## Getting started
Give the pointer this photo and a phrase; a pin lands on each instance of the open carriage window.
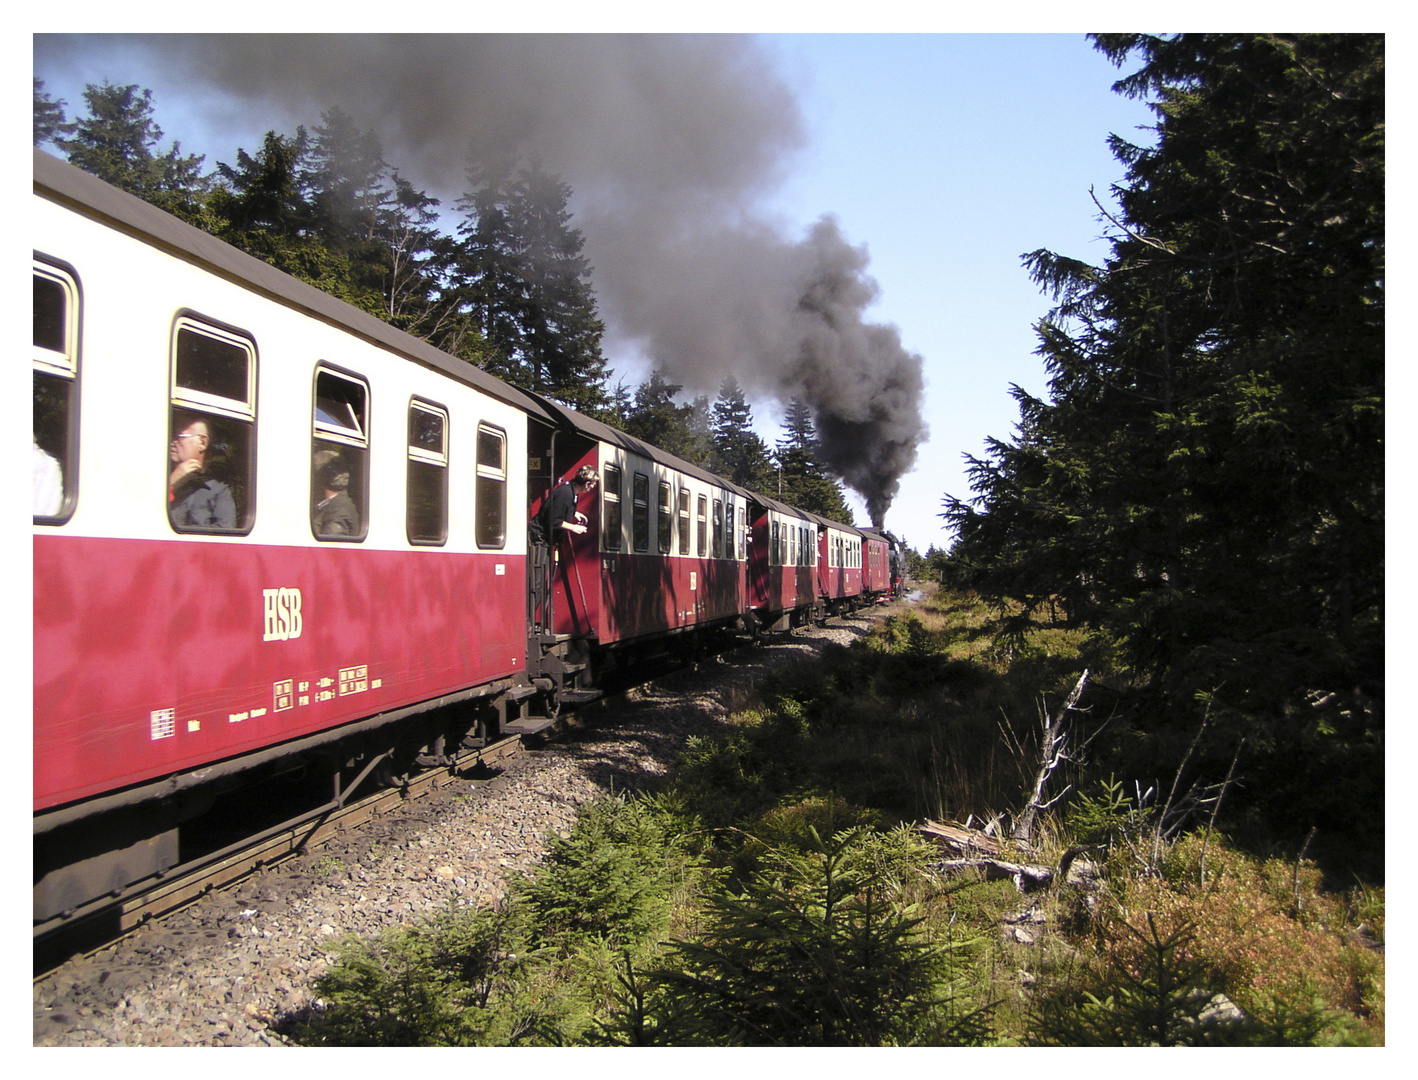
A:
(339, 458)
(426, 498)
(640, 512)
(211, 450)
(55, 361)
(665, 518)
(610, 508)
(491, 493)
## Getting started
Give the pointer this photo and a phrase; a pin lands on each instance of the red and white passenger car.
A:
(356, 589)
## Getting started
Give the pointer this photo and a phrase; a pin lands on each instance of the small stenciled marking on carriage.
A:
(164, 723)
(194, 725)
(237, 717)
(283, 618)
(283, 695)
(500, 569)
(354, 680)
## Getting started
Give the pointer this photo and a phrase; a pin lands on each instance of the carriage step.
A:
(577, 697)
(528, 725)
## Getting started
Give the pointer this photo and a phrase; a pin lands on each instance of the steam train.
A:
(273, 534)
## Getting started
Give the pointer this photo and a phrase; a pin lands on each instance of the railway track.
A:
(233, 965)
(100, 924)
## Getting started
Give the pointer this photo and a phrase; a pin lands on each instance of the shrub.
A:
(615, 875)
(818, 949)
(1260, 932)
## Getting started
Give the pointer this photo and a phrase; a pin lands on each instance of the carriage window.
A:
(211, 449)
(339, 457)
(665, 519)
(684, 521)
(56, 393)
(702, 523)
(610, 508)
(718, 528)
(640, 512)
(743, 532)
(491, 488)
(426, 512)
(773, 546)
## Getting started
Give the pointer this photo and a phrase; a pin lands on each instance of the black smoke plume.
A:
(669, 143)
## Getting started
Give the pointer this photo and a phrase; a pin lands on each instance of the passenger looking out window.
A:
(335, 514)
(195, 497)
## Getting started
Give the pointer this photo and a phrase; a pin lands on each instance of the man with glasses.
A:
(194, 497)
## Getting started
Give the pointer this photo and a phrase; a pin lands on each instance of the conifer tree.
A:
(802, 481)
(657, 418)
(560, 330)
(739, 452)
(48, 114)
(1204, 481)
(488, 268)
(118, 141)
(522, 274)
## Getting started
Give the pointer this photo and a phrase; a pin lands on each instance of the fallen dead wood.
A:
(974, 850)
(1026, 878)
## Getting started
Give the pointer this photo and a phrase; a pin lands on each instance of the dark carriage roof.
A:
(69, 186)
(602, 432)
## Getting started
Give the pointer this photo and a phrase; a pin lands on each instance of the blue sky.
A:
(950, 156)
(947, 155)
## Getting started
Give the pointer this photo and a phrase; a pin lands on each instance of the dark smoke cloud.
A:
(669, 144)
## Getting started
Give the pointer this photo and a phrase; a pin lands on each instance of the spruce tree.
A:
(560, 329)
(48, 114)
(739, 452)
(802, 480)
(1204, 481)
(658, 419)
(488, 269)
(118, 142)
(521, 272)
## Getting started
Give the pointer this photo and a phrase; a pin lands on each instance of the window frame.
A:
(354, 438)
(640, 511)
(204, 404)
(664, 519)
(419, 456)
(484, 476)
(683, 515)
(611, 507)
(63, 366)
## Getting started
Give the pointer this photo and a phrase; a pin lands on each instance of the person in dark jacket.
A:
(335, 514)
(561, 507)
(194, 496)
(560, 519)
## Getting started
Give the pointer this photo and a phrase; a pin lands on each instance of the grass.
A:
(775, 887)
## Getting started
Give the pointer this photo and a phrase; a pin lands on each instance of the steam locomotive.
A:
(274, 534)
